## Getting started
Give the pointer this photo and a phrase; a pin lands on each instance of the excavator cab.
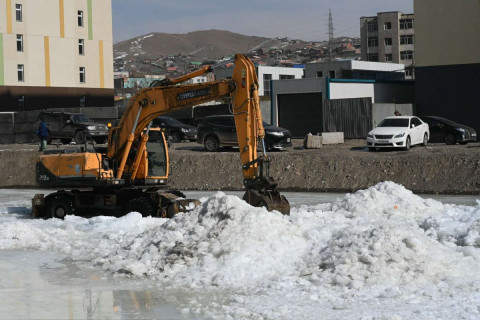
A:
(157, 154)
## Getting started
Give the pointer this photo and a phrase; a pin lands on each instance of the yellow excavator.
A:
(131, 173)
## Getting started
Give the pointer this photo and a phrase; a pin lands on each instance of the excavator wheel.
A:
(60, 206)
(271, 200)
(141, 205)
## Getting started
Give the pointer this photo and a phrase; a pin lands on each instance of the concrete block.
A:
(72, 110)
(25, 138)
(7, 128)
(312, 142)
(101, 112)
(7, 117)
(7, 138)
(25, 127)
(332, 137)
(24, 116)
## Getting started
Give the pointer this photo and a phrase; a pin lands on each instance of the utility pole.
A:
(330, 35)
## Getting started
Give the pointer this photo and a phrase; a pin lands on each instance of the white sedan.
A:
(398, 132)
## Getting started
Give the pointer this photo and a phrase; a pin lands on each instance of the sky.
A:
(299, 19)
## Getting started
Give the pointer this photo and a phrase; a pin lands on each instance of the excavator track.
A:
(271, 200)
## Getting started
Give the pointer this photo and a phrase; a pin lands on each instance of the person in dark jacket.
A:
(42, 134)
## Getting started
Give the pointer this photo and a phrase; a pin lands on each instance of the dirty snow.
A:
(380, 253)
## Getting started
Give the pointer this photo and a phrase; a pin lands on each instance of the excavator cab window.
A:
(157, 154)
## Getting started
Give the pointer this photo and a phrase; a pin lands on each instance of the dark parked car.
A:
(219, 131)
(176, 130)
(77, 126)
(448, 131)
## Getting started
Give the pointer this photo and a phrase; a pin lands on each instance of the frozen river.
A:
(380, 253)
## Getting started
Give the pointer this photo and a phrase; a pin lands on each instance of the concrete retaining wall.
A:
(297, 171)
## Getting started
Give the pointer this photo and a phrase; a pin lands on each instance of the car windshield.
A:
(80, 118)
(446, 121)
(394, 123)
(170, 121)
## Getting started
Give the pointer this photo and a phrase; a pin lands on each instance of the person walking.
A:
(42, 134)
(397, 113)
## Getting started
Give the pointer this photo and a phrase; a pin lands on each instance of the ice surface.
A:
(379, 253)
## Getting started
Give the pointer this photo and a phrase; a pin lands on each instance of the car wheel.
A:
(408, 144)
(211, 143)
(80, 137)
(450, 139)
(141, 205)
(60, 207)
(463, 142)
(425, 140)
(66, 141)
(193, 140)
(175, 136)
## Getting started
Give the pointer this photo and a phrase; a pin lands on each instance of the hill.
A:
(200, 45)
(171, 55)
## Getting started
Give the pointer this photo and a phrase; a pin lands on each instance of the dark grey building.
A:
(448, 78)
(389, 37)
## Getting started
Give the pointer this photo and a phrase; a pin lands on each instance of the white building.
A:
(55, 53)
(266, 74)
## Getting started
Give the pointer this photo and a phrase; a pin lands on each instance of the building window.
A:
(406, 39)
(80, 18)
(286, 76)
(319, 74)
(372, 26)
(387, 26)
(18, 12)
(266, 84)
(406, 24)
(331, 74)
(19, 43)
(406, 55)
(82, 74)
(21, 73)
(372, 57)
(409, 72)
(81, 47)
(388, 57)
(388, 41)
(372, 42)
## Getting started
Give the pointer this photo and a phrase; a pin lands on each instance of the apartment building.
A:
(55, 53)
(389, 37)
(447, 59)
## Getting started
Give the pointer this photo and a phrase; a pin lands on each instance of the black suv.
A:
(176, 130)
(77, 126)
(218, 131)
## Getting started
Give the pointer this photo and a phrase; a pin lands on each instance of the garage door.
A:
(300, 113)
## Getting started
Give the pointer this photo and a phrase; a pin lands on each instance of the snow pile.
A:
(383, 236)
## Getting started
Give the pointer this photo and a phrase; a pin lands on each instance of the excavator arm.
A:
(168, 95)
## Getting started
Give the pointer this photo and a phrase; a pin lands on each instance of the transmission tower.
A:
(330, 34)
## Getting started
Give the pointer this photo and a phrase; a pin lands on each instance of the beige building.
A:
(447, 59)
(55, 53)
(389, 37)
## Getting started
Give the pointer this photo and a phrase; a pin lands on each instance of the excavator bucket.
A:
(271, 200)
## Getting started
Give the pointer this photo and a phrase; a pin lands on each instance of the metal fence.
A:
(353, 117)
